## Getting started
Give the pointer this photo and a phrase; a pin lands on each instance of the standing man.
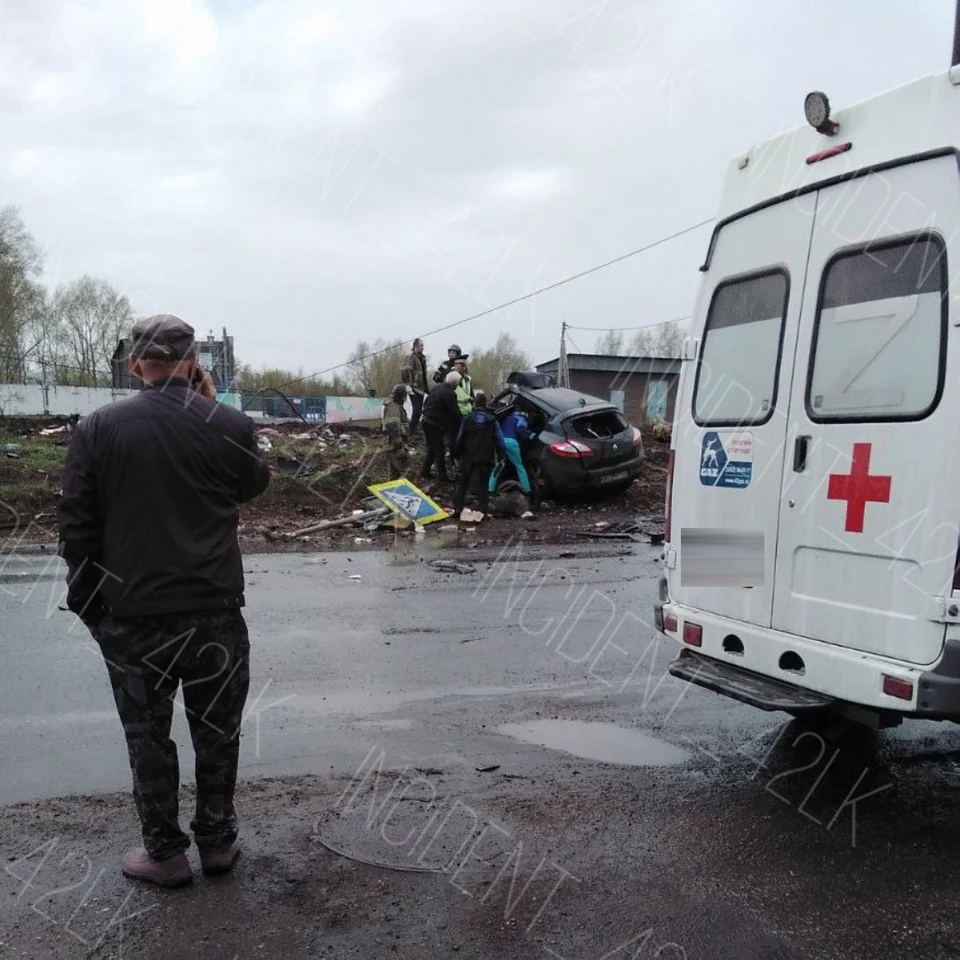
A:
(395, 428)
(441, 421)
(148, 529)
(440, 375)
(478, 442)
(465, 388)
(414, 376)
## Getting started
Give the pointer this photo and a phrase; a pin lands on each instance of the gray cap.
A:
(163, 337)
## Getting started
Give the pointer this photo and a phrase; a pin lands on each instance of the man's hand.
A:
(203, 384)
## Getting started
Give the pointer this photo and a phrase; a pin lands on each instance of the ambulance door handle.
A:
(800, 446)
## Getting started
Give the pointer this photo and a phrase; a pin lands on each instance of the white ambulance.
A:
(810, 561)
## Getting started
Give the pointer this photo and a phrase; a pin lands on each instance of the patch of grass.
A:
(40, 453)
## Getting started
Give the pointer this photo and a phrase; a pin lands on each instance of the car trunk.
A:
(606, 432)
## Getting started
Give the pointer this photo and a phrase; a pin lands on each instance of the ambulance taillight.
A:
(895, 687)
(666, 508)
(692, 634)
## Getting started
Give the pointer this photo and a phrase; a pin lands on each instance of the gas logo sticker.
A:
(726, 461)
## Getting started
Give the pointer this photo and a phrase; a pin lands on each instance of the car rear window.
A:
(597, 426)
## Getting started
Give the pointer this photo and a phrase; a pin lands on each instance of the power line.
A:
(646, 326)
(513, 302)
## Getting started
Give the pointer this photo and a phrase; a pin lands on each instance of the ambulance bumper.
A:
(832, 676)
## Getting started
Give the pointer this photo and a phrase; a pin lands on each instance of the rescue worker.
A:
(517, 436)
(396, 430)
(465, 387)
(441, 421)
(414, 376)
(148, 530)
(478, 442)
(440, 375)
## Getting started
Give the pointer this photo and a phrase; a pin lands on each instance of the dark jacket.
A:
(441, 409)
(440, 374)
(414, 372)
(148, 515)
(479, 438)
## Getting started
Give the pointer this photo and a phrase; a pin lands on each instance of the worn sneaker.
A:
(220, 861)
(173, 872)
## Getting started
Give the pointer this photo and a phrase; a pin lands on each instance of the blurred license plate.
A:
(615, 477)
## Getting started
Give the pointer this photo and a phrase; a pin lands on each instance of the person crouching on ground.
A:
(477, 444)
(148, 530)
(441, 420)
(516, 439)
(396, 430)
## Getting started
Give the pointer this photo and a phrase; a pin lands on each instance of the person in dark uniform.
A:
(414, 376)
(440, 374)
(477, 445)
(396, 431)
(148, 530)
(441, 420)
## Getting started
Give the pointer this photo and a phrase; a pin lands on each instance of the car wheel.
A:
(538, 479)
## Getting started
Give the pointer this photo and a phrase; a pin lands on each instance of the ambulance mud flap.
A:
(751, 688)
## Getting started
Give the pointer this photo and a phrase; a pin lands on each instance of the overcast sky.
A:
(307, 174)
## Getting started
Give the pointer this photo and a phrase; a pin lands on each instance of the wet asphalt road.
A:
(386, 717)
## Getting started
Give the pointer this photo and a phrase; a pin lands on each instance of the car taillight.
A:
(670, 624)
(637, 437)
(693, 634)
(571, 448)
(895, 687)
(666, 509)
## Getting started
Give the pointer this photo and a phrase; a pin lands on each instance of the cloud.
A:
(309, 175)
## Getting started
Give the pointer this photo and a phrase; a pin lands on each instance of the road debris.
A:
(451, 566)
(490, 769)
(338, 522)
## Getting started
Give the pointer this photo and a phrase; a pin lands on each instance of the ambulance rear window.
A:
(878, 348)
(739, 362)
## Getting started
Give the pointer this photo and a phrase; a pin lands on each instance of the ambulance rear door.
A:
(869, 505)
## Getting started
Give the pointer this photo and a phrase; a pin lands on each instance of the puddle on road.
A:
(603, 742)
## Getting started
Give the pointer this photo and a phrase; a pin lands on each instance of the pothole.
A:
(603, 742)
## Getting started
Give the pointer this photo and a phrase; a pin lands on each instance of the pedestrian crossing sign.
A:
(408, 500)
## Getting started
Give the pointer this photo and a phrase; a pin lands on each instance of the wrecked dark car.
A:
(583, 443)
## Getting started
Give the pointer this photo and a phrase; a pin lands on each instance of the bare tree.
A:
(662, 340)
(296, 384)
(374, 368)
(90, 318)
(21, 295)
(610, 344)
(490, 368)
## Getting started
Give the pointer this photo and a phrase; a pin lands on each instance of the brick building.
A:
(644, 388)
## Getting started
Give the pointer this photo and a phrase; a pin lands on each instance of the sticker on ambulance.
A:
(726, 461)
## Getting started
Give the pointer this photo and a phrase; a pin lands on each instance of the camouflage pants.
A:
(147, 658)
(398, 459)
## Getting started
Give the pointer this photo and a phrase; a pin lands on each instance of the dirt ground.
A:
(319, 473)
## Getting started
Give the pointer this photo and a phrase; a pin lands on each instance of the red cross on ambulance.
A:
(858, 488)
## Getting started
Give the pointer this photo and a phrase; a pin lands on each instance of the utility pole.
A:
(563, 368)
